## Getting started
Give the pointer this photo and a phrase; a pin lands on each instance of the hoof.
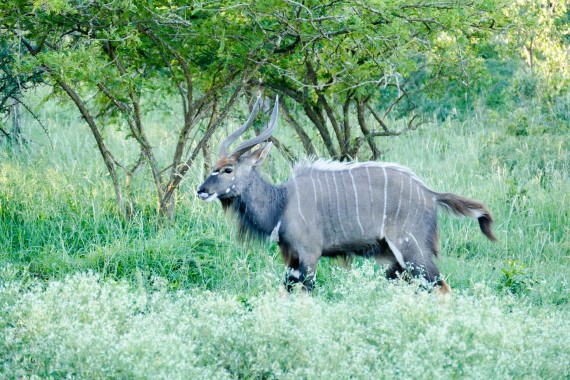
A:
(443, 291)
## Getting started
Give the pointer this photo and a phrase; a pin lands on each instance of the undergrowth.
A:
(84, 327)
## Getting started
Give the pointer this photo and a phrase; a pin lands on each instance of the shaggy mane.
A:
(305, 167)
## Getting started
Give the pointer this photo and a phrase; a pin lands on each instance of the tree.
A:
(12, 87)
(343, 65)
(125, 56)
(342, 59)
(540, 34)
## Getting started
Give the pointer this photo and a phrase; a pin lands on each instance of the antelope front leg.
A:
(301, 267)
(304, 273)
(292, 273)
(292, 277)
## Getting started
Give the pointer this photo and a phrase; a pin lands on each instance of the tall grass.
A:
(86, 294)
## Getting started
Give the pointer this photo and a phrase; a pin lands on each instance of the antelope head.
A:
(231, 172)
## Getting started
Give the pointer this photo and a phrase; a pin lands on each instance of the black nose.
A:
(200, 189)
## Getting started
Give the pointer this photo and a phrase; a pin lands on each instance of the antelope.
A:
(327, 208)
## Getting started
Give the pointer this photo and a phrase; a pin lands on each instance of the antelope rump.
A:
(327, 208)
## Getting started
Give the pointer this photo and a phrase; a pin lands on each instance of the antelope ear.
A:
(258, 155)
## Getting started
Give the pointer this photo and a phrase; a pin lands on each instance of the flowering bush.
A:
(82, 327)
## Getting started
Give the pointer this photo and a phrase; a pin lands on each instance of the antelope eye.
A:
(228, 170)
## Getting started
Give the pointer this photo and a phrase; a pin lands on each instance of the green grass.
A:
(85, 294)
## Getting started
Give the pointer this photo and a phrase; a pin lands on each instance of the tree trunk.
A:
(366, 131)
(16, 122)
(105, 153)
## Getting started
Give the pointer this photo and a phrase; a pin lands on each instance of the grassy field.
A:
(84, 294)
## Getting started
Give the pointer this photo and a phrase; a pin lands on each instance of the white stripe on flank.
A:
(329, 217)
(338, 206)
(371, 199)
(417, 205)
(415, 241)
(409, 204)
(385, 201)
(343, 191)
(319, 182)
(314, 188)
(299, 200)
(399, 198)
(329, 201)
(356, 200)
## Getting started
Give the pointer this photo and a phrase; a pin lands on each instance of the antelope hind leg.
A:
(419, 263)
(385, 258)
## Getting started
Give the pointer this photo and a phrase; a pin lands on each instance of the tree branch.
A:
(305, 139)
(105, 153)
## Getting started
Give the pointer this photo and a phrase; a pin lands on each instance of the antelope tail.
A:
(461, 206)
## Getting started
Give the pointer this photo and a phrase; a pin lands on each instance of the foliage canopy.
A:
(350, 68)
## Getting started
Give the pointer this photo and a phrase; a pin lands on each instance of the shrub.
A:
(82, 327)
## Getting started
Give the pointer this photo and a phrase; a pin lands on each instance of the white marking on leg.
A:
(295, 273)
(275, 233)
(397, 254)
(356, 200)
(298, 200)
